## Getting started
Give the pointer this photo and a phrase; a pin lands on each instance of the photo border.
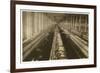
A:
(13, 35)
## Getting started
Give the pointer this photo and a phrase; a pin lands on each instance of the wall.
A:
(5, 36)
(34, 23)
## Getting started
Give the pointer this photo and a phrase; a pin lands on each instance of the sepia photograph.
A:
(54, 36)
(51, 36)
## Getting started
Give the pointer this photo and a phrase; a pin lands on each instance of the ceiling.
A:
(57, 17)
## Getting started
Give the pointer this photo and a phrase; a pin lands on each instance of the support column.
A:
(24, 25)
(39, 20)
(27, 25)
(36, 22)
